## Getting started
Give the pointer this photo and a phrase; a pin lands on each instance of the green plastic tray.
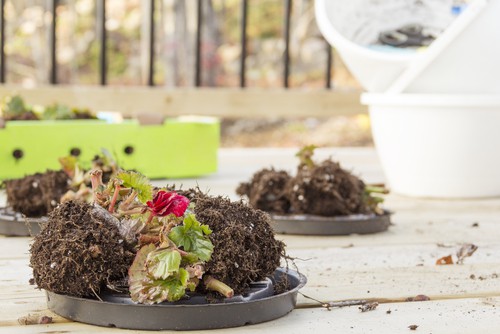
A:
(180, 147)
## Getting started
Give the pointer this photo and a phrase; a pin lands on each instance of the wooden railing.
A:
(223, 102)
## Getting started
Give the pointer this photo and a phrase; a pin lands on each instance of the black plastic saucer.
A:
(15, 224)
(339, 225)
(256, 306)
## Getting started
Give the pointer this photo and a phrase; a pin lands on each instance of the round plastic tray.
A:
(339, 225)
(256, 306)
(15, 224)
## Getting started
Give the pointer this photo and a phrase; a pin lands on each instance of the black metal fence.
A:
(102, 35)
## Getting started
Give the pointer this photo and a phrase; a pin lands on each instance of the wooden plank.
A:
(464, 316)
(14, 247)
(219, 102)
(388, 272)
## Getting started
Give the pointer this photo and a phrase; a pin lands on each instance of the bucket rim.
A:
(431, 100)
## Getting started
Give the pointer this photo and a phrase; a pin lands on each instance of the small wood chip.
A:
(368, 307)
(43, 320)
(418, 298)
(35, 319)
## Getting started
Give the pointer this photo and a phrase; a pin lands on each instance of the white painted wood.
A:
(387, 267)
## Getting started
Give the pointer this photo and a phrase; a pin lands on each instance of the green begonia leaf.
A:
(163, 263)
(192, 237)
(138, 182)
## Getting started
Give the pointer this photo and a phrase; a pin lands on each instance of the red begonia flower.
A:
(167, 202)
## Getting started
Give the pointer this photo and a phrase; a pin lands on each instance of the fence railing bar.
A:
(329, 62)
(199, 23)
(2, 41)
(53, 43)
(244, 16)
(101, 31)
(151, 67)
(286, 55)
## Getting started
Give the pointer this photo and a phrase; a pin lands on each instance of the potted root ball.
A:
(31, 198)
(321, 199)
(140, 257)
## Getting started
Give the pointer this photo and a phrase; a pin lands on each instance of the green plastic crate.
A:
(178, 148)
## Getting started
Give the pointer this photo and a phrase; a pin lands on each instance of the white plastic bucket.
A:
(351, 26)
(438, 146)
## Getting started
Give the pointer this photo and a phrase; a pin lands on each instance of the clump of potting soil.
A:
(324, 189)
(266, 190)
(79, 251)
(38, 194)
(245, 249)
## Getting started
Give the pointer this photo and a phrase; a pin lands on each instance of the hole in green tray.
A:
(128, 150)
(17, 154)
(75, 152)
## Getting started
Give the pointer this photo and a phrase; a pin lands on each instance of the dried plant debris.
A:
(35, 319)
(322, 188)
(368, 307)
(413, 327)
(466, 250)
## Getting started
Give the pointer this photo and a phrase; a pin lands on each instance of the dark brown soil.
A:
(266, 191)
(84, 114)
(38, 194)
(25, 116)
(79, 251)
(326, 190)
(323, 189)
(245, 249)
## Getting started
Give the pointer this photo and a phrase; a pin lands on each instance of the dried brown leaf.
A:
(368, 307)
(445, 260)
(465, 251)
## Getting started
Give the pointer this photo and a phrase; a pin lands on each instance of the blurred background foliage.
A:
(28, 28)
(28, 57)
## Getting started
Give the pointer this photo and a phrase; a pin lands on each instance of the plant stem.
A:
(216, 285)
(376, 189)
(130, 212)
(124, 205)
(150, 218)
(111, 208)
(96, 179)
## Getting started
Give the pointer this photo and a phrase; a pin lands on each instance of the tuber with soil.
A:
(323, 189)
(161, 245)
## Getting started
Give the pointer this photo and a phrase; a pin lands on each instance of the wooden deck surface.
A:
(388, 267)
